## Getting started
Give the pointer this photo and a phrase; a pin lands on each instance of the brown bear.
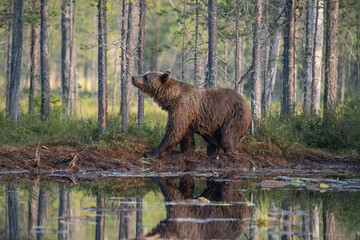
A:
(220, 115)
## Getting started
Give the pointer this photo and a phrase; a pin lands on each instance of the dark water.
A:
(181, 207)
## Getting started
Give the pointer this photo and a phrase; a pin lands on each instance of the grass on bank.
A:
(337, 133)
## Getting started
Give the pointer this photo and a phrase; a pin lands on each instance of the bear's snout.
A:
(134, 80)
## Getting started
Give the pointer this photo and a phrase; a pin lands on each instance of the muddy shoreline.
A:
(71, 158)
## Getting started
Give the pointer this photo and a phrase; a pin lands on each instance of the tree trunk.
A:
(65, 53)
(183, 43)
(314, 223)
(196, 54)
(272, 69)
(331, 55)
(42, 208)
(102, 73)
(35, 60)
(309, 49)
(226, 58)
(115, 79)
(288, 55)
(131, 50)
(213, 54)
(73, 78)
(16, 54)
(343, 76)
(237, 46)
(139, 216)
(13, 209)
(126, 224)
(32, 212)
(317, 58)
(265, 54)
(329, 230)
(44, 53)
(8, 59)
(100, 217)
(64, 214)
(124, 27)
(141, 65)
(256, 63)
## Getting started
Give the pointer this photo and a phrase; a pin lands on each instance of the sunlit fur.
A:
(221, 116)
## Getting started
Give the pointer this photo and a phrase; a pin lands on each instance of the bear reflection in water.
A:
(198, 220)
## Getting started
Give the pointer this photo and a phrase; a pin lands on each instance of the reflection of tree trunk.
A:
(64, 214)
(274, 234)
(100, 217)
(126, 222)
(254, 215)
(305, 226)
(35, 60)
(329, 225)
(41, 217)
(32, 212)
(314, 223)
(13, 212)
(286, 224)
(139, 226)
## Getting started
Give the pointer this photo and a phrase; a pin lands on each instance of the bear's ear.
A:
(165, 76)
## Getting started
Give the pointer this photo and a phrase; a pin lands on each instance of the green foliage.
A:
(334, 132)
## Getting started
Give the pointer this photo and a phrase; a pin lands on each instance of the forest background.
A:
(67, 67)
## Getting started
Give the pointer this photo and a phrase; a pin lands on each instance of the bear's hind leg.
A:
(187, 143)
(212, 149)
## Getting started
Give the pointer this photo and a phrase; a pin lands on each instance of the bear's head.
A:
(151, 82)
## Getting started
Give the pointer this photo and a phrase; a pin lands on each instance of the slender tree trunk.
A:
(357, 53)
(44, 53)
(100, 217)
(124, 27)
(343, 76)
(8, 59)
(213, 54)
(32, 212)
(226, 58)
(314, 223)
(65, 53)
(102, 73)
(272, 69)
(288, 55)
(183, 43)
(13, 210)
(131, 50)
(309, 49)
(331, 55)
(296, 29)
(42, 208)
(265, 54)
(317, 58)
(64, 214)
(254, 233)
(157, 56)
(196, 54)
(115, 80)
(16, 54)
(35, 60)
(329, 229)
(139, 216)
(237, 46)
(141, 52)
(256, 63)
(73, 79)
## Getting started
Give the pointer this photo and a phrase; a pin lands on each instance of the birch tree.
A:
(317, 58)
(213, 54)
(102, 72)
(331, 55)
(124, 27)
(256, 63)
(141, 65)
(288, 60)
(16, 54)
(44, 53)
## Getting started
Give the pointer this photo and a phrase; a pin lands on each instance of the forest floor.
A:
(72, 158)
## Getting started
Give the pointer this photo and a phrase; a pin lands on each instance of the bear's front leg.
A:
(176, 129)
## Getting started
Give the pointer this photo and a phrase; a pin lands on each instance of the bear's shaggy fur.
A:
(220, 115)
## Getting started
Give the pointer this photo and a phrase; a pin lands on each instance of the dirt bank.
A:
(72, 158)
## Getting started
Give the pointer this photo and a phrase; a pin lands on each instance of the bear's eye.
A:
(145, 78)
